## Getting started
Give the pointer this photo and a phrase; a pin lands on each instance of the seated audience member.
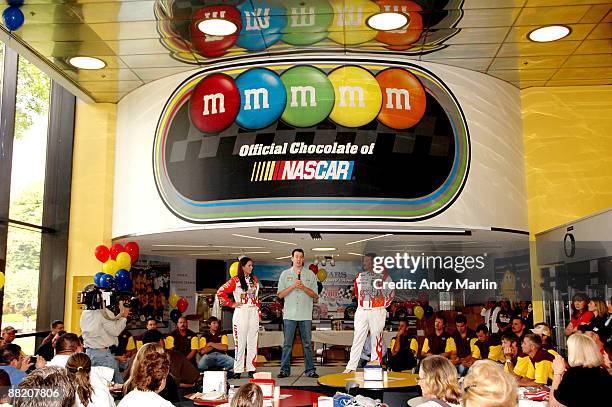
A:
(504, 316)
(147, 380)
(403, 352)
(585, 383)
(514, 357)
(14, 363)
(170, 391)
(600, 311)
(213, 348)
(184, 373)
(49, 378)
(248, 395)
(440, 342)
(5, 384)
(525, 311)
(599, 334)
(439, 382)
(125, 348)
(518, 327)
(488, 385)
(46, 348)
(487, 346)
(464, 339)
(580, 313)
(8, 334)
(183, 340)
(65, 346)
(544, 332)
(90, 390)
(135, 341)
(539, 369)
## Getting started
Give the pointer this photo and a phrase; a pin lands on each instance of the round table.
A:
(394, 380)
(297, 398)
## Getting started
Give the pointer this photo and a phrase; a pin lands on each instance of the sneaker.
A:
(251, 374)
(282, 375)
(348, 371)
(313, 375)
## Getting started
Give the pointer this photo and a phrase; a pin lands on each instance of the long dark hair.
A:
(79, 366)
(241, 263)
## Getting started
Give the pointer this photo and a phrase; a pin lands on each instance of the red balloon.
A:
(211, 46)
(102, 253)
(314, 268)
(214, 103)
(115, 250)
(182, 304)
(133, 250)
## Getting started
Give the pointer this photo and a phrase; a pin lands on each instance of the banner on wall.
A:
(311, 141)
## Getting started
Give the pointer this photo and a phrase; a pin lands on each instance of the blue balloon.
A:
(107, 281)
(13, 18)
(262, 24)
(122, 275)
(97, 278)
(175, 314)
(262, 98)
(125, 285)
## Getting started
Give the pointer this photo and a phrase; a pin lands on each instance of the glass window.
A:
(29, 144)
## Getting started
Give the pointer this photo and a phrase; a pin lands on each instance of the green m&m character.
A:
(310, 96)
(307, 21)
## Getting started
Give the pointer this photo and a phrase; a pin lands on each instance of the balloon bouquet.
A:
(116, 264)
(179, 304)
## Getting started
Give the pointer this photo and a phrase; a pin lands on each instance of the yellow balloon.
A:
(419, 312)
(350, 21)
(173, 299)
(322, 275)
(234, 269)
(358, 97)
(110, 267)
(1, 279)
(124, 261)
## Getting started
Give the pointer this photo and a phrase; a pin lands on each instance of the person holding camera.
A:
(101, 329)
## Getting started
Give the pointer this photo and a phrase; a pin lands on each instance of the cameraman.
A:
(101, 329)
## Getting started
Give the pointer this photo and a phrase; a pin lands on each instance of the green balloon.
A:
(307, 21)
(310, 96)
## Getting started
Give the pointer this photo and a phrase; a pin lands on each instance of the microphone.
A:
(299, 275)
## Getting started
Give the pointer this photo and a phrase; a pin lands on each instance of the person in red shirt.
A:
(580, 314)
(245, 291)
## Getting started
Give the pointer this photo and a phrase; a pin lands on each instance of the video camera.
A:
(93, 297)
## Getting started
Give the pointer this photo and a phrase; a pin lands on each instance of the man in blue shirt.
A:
(14, 364)
(299, 290)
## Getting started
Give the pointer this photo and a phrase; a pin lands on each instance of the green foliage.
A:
(33, 91)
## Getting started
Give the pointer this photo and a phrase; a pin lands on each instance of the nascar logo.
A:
(330, 170)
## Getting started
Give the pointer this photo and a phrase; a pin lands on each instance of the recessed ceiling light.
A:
(87, 63)
(217, 27)
(549, 33)
(387, 21)
(282, 258)
(324, 249)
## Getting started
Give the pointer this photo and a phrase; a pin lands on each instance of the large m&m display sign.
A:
(304, 96)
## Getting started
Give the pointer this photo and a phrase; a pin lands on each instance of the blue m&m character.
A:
(263, 24)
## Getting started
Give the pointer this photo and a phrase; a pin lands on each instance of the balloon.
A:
(234, 269)
(13, 18)
(182, 304)
(1, 279)
(125, 285)
(122, 275)
(313, 268)
(418, 312)
(319, 287)
(133, 250)
(115, 250)
(428, 311)
(124, 261)
(102, 253)
(98, 277)
(173, 299)
(175, 315)
(322, 275)
(107, 281)
(110, 267)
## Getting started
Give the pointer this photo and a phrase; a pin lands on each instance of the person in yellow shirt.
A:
(535, 365)
(213, 348)
(487, 346)
(440, 342)
(183, 340)
(402, 355)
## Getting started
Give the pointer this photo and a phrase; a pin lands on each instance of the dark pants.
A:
(404, 360)
(289, 327)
